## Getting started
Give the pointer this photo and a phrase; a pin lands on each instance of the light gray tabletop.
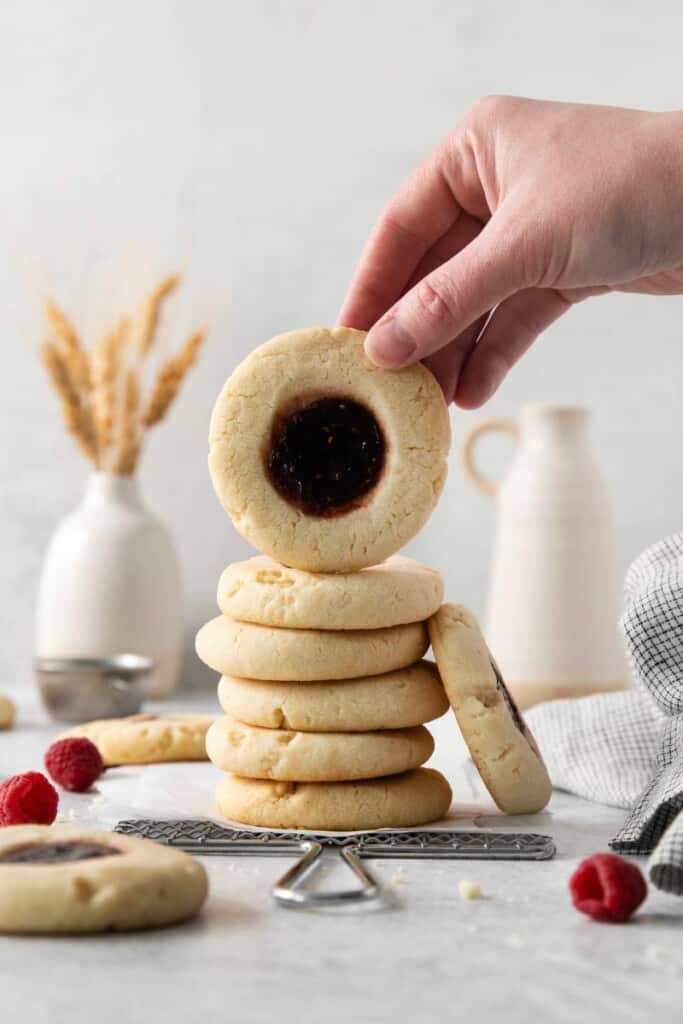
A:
(520, 954)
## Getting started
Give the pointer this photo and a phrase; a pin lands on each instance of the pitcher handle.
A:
(476, 478)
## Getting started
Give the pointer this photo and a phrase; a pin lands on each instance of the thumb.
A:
(447, 301)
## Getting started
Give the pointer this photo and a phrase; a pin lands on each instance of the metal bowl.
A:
(79, 689)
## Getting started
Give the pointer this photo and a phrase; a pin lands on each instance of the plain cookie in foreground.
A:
(393, 700)
(502, 747)
(147, 739)
(400, 801)
(392, 593)
(303, 655)
(6, 712)
(322, 459)
(67, 879)
(288, 756)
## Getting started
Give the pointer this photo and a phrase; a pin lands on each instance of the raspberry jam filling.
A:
(326, 456)
(56, 853)
(507, 697)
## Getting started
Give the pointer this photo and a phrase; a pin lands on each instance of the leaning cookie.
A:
(67, 879)
(501, 745)
(393, 700)
(288, 756)
(148, 739)
(323, 460)
(400, 801)
(6, 712)
(392, 593)
(300, 655)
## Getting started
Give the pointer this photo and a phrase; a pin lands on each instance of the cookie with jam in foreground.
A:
(323, 460)
(66, 879)
(147, 739)
(502, 747)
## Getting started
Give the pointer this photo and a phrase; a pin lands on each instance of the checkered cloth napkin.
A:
(626, 749)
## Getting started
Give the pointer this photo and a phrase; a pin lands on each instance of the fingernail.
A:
(389, 344)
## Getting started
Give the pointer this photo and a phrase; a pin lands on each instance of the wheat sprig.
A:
(169, 379)
(128, 445)
(151, 310)
(106, 367)
(71, 346)
(77, 416)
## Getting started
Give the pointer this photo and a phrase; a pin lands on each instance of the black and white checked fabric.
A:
(626, 749)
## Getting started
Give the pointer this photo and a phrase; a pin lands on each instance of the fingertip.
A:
(390, 346)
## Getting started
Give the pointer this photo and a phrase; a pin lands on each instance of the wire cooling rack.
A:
(206, 838)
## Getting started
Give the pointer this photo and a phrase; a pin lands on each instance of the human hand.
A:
(526, 208)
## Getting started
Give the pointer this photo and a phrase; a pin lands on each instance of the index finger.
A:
(419, 214)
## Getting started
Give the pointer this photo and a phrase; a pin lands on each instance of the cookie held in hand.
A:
(323, 460)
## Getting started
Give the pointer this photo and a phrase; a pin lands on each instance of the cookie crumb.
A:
(469, 890)
(398, 878)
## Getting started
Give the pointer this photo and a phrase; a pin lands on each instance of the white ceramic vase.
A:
(111, 583)
(554, 592)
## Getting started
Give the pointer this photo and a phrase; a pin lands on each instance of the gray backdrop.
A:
(251, 144)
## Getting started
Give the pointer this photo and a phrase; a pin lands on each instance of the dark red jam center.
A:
(326, 456)
(56, 853)
(507, 697)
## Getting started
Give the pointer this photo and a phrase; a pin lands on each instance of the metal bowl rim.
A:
(137, 664)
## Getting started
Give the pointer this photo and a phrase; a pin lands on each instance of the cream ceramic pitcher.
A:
(554, 594)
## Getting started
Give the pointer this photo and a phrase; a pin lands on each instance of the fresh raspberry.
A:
(607, 887)
(74, 763)
(27, 799)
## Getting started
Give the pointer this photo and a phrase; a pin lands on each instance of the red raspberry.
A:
(74, 763)
(27, 799)
(607, 887)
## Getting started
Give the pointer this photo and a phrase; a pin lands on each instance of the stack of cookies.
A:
(325, 696)
(329, 464)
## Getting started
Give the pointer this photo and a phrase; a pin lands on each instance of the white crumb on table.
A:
(469, 890)
(398, 878)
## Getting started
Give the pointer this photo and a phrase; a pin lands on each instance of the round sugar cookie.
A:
(390, 594)
(68, 879)
(288, 756)
(393, 700)
(502, 747)
(301, 655)
(323, 460)
(6, 712)
(147, 739)
(400, 801)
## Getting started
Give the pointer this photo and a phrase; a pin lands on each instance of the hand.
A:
(523, 210)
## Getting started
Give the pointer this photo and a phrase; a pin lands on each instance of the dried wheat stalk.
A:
(77, 416)
(151, 310)
(169, 379)
(128, 446)
(71, 346)
(107, 417)
(106, 367)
